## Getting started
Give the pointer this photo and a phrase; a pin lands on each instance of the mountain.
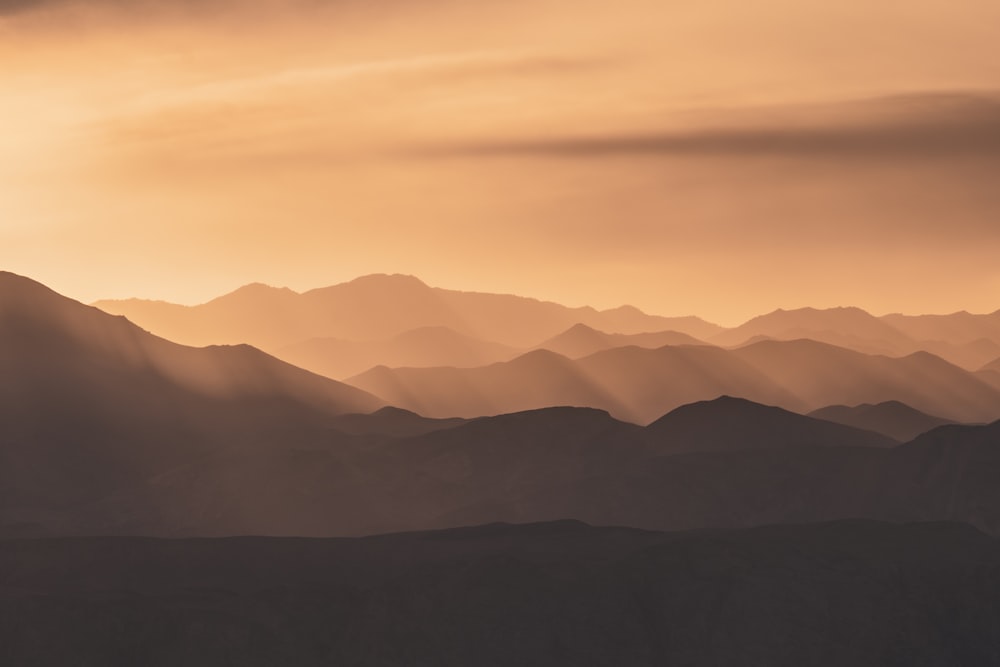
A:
(970, 355)
(89, 401)
(733, 423)
(526, 466)
(391, 421)
(556, 594)
(844, 327)
(640, 385)
(993, 366)
(946, 474)
(891, 418)
(378, 307)
(534, 380)
(892, 335)
(631, 383)
(427, 346)
(581, 341)
(821, 375)
(956, 328)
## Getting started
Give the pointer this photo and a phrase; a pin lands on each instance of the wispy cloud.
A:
(918, 126)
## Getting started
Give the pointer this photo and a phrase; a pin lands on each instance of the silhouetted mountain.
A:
(746, 465)
(891, 418)
(535, 380)
(428, 346)
(640, 385)
(581, 341)
(378, 307)
(992, 366)
(558, 594)
(844, 327)
(970, 356)
(733, 423)
(393, 422)
(855, 329)
(821, 375)
(89, 401)
(957, 328)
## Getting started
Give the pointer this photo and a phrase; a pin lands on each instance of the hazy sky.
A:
(715, 157)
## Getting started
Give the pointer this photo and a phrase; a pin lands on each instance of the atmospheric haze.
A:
(716, 158)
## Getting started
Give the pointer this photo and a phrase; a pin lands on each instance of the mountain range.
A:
(336, 330)
(108, 429)
(640, 385)
(891, 418)
(378, 307)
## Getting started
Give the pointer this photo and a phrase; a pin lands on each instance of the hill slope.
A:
(89, 401)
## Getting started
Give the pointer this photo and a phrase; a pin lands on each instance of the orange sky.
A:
(720, 158)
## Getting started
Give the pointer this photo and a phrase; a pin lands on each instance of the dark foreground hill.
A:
(891, 418)
(748, 465)
(862, 594)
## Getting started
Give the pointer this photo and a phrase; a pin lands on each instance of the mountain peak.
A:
(388, 280)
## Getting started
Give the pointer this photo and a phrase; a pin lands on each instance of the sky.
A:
(718, 158)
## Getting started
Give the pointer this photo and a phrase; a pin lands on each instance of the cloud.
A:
(924, 126)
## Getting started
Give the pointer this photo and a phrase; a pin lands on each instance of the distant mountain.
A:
(378, 307)
(956, 328)
(844, 327)
(559, 594)
(581, 341)
(891, 418)
(89, 401)
(970, 356)
(728, 423)
(993, 366)
(427, 346)
(821, 375)
(534, 380)
(631, 383)
(640, 385)
(892, 335)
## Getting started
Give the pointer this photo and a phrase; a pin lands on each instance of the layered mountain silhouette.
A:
(89, 401)
(732, 423)
(745, 465)
(555, 594)
(581, 341)
(392, 422)
(427, 346)
(379, 307)
(962, 339)
(892, 418)
(844, 327)
(640, 385)
(337, 330)
(958, 328)
(107, 429)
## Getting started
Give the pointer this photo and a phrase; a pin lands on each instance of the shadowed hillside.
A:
(640, 385)
(892, 418)
(89, 401)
